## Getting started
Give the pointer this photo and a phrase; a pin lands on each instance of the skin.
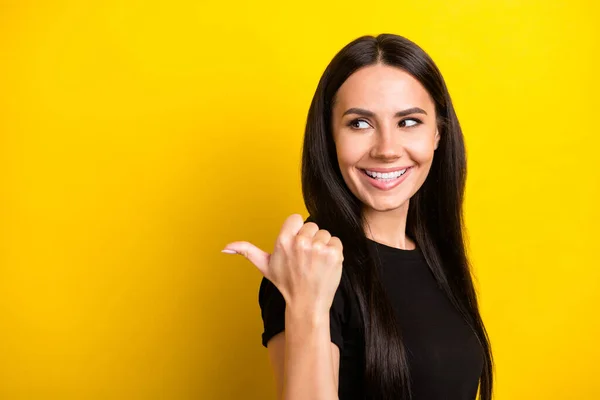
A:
(306, 267)
(306, 263)
(384, 140)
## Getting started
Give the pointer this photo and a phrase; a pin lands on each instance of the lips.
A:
(387, 184)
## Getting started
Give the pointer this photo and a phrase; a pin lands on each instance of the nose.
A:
(387, 144)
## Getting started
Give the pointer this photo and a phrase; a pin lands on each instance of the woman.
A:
(383, 177)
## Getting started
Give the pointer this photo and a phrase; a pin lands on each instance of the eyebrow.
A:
(367, 113)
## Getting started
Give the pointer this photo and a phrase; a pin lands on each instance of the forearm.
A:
(308, 366)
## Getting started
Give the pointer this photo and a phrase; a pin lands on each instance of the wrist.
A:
(311, 315)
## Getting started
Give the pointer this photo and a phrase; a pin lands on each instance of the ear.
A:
(437, 139)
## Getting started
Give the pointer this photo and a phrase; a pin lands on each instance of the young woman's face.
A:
(384, 121)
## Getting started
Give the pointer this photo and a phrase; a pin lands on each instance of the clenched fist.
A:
(306, 264)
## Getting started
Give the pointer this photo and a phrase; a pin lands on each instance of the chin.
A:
(386, 205)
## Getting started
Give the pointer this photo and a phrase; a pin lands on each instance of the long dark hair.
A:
(435, 218)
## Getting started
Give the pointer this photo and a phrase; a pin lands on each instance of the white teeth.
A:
(387, 175)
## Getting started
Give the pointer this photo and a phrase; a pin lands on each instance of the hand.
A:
(306, 264)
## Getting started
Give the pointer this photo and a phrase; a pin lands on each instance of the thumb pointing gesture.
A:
(306, 264)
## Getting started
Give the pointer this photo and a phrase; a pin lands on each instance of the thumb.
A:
(255, 255)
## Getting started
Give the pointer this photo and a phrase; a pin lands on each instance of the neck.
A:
(388, 227)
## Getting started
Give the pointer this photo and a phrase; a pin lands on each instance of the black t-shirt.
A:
(444, 355)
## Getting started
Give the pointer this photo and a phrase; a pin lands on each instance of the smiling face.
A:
(384, 120)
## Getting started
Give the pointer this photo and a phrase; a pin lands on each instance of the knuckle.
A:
(319, 247)
(302, 243)
(332, 254)
(282, 241)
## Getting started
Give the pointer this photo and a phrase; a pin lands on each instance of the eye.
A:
(358, 124)
(409, 122)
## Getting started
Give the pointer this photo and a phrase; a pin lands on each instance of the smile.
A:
(388, 180)
(386, 175)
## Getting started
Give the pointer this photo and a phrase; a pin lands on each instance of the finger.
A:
(309, 230)
(288, 231)
(291, 226)
(255, 255)
(322, 236)
(336, 243)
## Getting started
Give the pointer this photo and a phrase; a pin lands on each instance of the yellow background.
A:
(139, 137)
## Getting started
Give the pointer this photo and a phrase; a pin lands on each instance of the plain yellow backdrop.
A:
(137, 138)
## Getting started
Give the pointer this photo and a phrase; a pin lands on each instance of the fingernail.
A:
(229, 251)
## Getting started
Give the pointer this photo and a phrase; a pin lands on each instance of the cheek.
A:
(349, 152)
(421, 151)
